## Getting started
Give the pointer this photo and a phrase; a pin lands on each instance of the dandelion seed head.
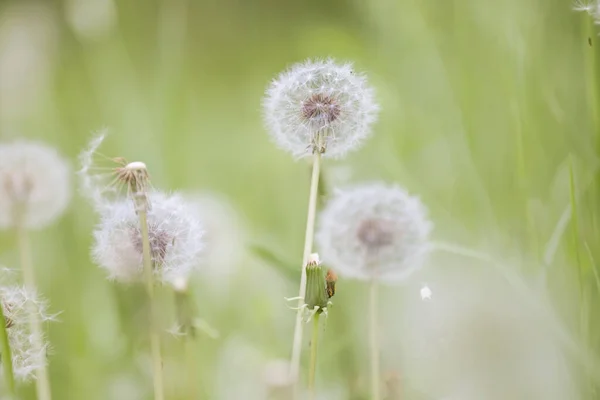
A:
(34, 180)
(319, 106)
(27, 356)
(175, 236)
(374, 230)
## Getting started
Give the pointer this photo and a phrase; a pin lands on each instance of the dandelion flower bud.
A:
(176, 239)
(27, 356)
(319, 106)
(34, 181)
(374, 231)
(316, 297)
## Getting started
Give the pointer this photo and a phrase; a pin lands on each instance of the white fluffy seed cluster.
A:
(374, 231)
(319, 106)
(176, 239)
(27, 357)
(35, 179)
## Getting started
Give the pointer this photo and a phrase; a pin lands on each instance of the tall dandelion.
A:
(148, 236)
(317, 109)
(377, 233)
(34, 191)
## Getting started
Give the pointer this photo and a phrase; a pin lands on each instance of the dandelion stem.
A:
(374, 339)
(149, 280)
(7, 367)
(43, 381)
(308, 242)
(314, 345)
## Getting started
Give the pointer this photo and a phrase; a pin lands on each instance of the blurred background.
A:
(490, 113)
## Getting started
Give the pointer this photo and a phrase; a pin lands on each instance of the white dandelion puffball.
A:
(176, 239)
(319, 106)
(35, 179)
(28, 356)
(374, 231)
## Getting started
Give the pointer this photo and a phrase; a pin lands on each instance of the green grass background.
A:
(490, 112)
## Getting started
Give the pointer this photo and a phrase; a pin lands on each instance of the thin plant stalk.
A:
(186, 325)
(374, 340)
(7, 367)
(314, 343)
(149, 281)
(308, 243)
(192, 368)
(42, 383)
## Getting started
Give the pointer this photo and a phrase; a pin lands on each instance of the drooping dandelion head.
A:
(374, 231)
(35, 184)
(28, 356)
(175, 236)
(103, 183)
(319, 106)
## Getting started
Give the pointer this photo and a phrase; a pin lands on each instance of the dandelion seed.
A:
(176, 239)
(319, 106)
(374, 231)
(426, 293)
(34, 184)
(27, 356)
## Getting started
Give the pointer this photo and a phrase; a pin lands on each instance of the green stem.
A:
(149, 280)
(192, 368)
(7, 367)
(308, 242)
(314, 347)
(185, 322)
(374, 341)
(43, 381)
